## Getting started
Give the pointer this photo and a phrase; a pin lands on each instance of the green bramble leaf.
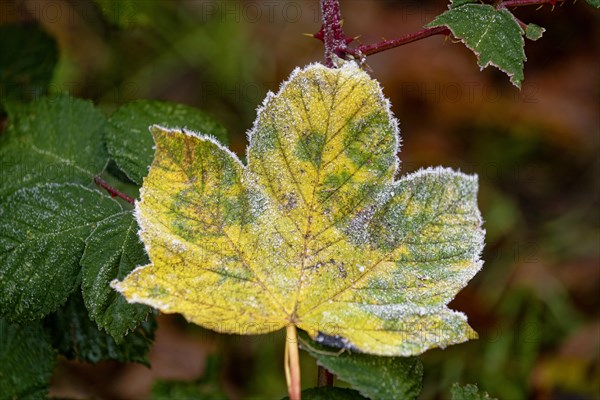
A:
(493, 35)
(374, 377)
(54, 139)
(77, 337)
(468, 392)
(27, 62)
(26, 361)
(315, 231)
(128, 138)
(42, 234)
(112, 251)
(534, 32)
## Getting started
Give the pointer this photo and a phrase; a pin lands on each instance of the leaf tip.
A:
(117, 285)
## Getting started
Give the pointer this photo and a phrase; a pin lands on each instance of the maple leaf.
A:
(315, 232)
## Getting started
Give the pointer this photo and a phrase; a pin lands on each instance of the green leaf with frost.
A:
(42, 238)
(374, 377)
(26, 361)
(77, 337)
(128, 137)
(493, 35)
(468, 392)
(112, 251)
(27, 61)
(315, 231)
(534, 32)
(54, 139)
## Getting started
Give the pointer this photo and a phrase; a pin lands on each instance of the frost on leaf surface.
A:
(494, 35)
(53, 139)
(314, 231)
(42, 237)
(112, 251)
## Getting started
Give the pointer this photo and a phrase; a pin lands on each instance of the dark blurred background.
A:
(535, 303)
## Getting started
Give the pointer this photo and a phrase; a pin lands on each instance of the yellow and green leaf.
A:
(315, 231)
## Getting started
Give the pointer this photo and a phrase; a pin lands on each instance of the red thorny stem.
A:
(520, 3)
(367, 50)
(337, 43)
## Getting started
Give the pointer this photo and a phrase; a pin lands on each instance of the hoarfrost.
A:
(330, 239)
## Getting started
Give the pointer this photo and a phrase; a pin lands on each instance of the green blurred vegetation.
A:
(535, 302)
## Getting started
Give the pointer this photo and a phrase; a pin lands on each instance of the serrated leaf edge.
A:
(478, 54)
(91, 315)
(78, 286)
(115, 283)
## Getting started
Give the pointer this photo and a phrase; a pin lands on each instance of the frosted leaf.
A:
(112, 251)
(494, 35)
(42, 238)
(54, 139)
(375, 377)
(314, 231)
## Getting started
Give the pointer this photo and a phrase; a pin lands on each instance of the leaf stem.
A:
(520, 3)
(367, 50)
(292, 363)
(112, 191)
(336, 42)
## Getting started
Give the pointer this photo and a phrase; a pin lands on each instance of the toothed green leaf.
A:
(374, 377)
(493, 35)
(54, 139)
(112, 251)
(42, 238)
(77, 337)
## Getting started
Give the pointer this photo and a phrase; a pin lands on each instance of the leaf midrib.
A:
(64, 231)
(65, 161)
(312, 200)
